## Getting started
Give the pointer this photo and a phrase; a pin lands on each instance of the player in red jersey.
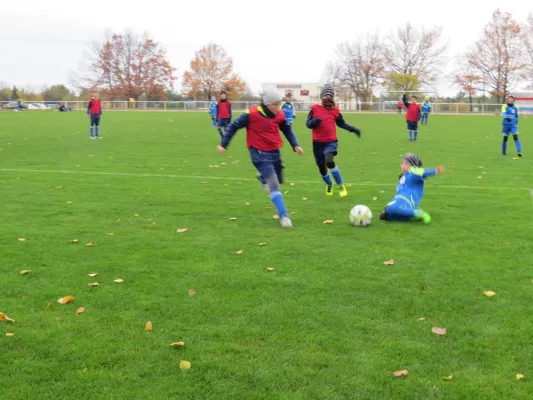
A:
(413, 115)
(94, 112)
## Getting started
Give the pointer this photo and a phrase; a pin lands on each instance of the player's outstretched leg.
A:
(504, 145)
(399, 210)
(334, 169)
(324, 173)
(518, 145)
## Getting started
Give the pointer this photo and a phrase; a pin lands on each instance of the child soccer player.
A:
(288, 109)
(223, 113)
(510, 125)
(94, 112)
(426, 110)
(413, 115)
(322, 120)
(213, 109)
(400, 106)
(19, 104)
(263, 124)
(409, 191)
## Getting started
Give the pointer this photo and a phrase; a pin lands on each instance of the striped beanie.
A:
(327, 90)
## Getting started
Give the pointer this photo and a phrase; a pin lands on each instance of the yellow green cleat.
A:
(342, 191)
(329, 190)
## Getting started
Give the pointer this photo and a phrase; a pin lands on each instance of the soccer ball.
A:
(360, 216)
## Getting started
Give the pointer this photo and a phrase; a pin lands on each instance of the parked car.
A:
(13, 105)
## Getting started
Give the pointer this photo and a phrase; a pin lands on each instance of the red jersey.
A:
(413, 112)
(400, 104)
(327, 130)
(262, 132)
(94, 106)
(224, 109)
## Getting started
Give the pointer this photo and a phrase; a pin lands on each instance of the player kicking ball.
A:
(510, 125)
(263, 140)
(409, 191)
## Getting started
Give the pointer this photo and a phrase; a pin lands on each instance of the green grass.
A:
(331, 322)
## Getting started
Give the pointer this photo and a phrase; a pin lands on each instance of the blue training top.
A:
(288, 110)
(426, 107)
(510, 115)
(213, 108)
(411, 185)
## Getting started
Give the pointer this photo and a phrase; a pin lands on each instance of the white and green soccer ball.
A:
(360, 216)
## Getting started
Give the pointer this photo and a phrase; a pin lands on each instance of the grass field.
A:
(331, 322)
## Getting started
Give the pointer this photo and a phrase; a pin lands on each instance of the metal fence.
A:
(203, 106)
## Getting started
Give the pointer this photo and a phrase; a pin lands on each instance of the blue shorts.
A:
(267, 163)
(509, 130)
(412, 126)
(95, 119)
(321, 149)
(223, 122)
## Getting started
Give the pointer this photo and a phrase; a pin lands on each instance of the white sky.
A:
(270, 41)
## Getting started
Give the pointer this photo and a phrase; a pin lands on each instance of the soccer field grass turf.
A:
(331, 322)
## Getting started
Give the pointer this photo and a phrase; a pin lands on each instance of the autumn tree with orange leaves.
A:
(469, 80)
(211, 71)
(127, 65)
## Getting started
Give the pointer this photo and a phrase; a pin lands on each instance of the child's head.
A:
(213, 98)
(223, 95)
(413, 99)
(271, 100)
(410, 160)
(288, 97)
(510, 100)
(95, 94)
(326, 95)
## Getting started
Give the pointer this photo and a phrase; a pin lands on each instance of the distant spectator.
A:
(19, 104)
(63, 108)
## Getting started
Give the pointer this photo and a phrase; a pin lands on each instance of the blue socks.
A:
(410, 135)
(327, 179)
(336, 175)
(91, 131)
(504, 147)
(97, 129)
(277, 199)
(518, 146)
(416, 134)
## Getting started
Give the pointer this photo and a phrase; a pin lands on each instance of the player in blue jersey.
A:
(510, 125)
(409, 191)
(426, 110)
(213, 111)
(288, 109)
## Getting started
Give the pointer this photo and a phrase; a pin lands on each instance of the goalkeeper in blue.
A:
(409, 191)
(213, 111)
(510, 125)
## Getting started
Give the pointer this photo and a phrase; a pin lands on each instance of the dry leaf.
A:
(268, 207)
(177, 344)
(118, 220)
(421, 318)
(25, 271)
(192, 292)
(361, 171)
(111, 234)
(374, 198)
(271, 269)
(75, 241)
(80, 310)
(304, 198)
(69, 202)
(448, 378)
(292, 184)
(439, 331)
(182, 230)
(148, 327)
(328, 222)
(22, 240)
(489, 293)
(390, 262)
(9, 334)
(275, 216)
(516, 158)
(246, 204)
(479, 177)
(403, 372)
(89, 244)
(93, 284)
(239, 252)
(203, 183)
(119, 281)
(66, 300)
(519, 377)
(233, 219)
(262, 244)
(92, 275)
(49, 305)
(293, 212)
(226, 184)
(135, 215)
(185, 364)
(4, 317)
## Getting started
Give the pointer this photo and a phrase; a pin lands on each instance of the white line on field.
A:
(222, 178)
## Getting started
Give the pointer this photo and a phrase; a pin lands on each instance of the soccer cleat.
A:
(285, 222)
(342, 191)
(519, 155)
(423, 216)
(329, 190)
(92, 137)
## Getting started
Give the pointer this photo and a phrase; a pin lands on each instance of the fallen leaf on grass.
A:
(75, 241)
(246, 204)
(111, 233)
(519, 377)
(89, 244)
(59, 187)
(182, 230)
(390, 262)
(271, 269)
(239, 252)
(439, 331)
(4, 317)
(304, 198)
(135, 215)
(203, 182)
(148, 327)
(92, 275)
(118, 220)
(489, 293)
(233, 219)
(448, 378)
(275, 216)
(25, 271)
(403, 372)
(69, 202)
(177, 344)
(361, 171)
(22, 240)
(192, 292)
(119, 281)
(328, 222)
(9, 334)
(516, 158)
(374, 198)
(421, 318)
(185, 364)
(93, 284)
(80, 310)
(479, 177)
(293, 212)
(262, 244)
(292, 184)
(66, 300)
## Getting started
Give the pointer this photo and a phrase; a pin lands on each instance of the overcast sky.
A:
(270, 41)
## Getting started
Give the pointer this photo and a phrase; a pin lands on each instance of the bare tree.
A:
(527, 39)
(468, 80)
(416, 52)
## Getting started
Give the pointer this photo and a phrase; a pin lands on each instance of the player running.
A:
(510, 125)
(413, 115)
(263, 124)
(409, 191)
(223, 113)
(94, 112)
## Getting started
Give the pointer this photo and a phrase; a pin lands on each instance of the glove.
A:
(316, 122)
(357, 132)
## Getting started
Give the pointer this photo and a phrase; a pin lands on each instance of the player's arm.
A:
(419, 113)
(290, 136)
(430, 108)
(230, 112)
(405, 101)
(341, 123)
(516, 115)
(89, 107)
(312, 123)
(231, 130)
(433, 171)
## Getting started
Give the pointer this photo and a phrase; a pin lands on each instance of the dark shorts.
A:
(223, 122)
(321, 149)
(267, 163)
(95, 119)
(412, 126)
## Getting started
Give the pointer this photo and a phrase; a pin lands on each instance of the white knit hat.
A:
(270, 96)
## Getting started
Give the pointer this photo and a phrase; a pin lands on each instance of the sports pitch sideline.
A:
(331, 321)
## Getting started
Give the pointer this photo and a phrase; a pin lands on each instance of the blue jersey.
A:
(426, 107)
(510, 115)
(288, 110)
(213, 109)
(411, 185)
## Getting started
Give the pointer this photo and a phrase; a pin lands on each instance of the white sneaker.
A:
(92, 137)
(285, 222)
(98, 137)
